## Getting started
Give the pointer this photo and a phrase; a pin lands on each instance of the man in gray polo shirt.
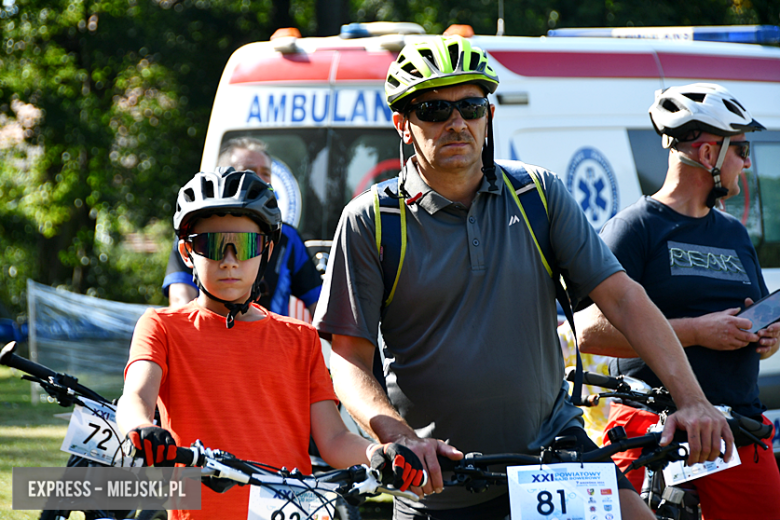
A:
(475, 363)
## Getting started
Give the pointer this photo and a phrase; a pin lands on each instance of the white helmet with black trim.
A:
(229, 192)
(680, 112)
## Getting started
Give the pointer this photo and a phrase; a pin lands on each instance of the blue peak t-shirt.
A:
(691, 267)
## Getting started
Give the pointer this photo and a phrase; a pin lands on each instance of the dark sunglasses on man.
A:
(438, 110)
(743, 149)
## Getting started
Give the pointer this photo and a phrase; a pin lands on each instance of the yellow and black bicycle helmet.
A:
(440, 61)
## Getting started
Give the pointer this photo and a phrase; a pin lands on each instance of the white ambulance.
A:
(576, 105)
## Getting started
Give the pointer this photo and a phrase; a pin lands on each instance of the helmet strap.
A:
(488, 166)
(402, 175)
(718, 191)
(232, 307)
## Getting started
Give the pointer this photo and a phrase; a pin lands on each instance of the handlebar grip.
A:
(747, 430)
(185, 456)
(592, 378)
(8, 358)
(447, 464)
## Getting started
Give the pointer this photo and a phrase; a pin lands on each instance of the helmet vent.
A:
(254, 192)
(409, 68)
(695, 96)
(428, 55)
(392, 81)
(188, 195)
(732, 105)
(271, 203)
(206, 188)
(232, 187)
(670, 106)
(454, 55)
(474, 63)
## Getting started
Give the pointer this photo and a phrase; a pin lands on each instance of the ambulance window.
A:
(304, 153)
(747, 206)
(365, 157)
(767, 157)
(650, 159)
(766, 154)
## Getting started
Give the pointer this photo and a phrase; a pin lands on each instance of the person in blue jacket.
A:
(290, 268)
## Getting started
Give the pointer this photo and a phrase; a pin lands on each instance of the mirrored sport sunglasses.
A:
(743, 146)
(438, 110)
(214, 245)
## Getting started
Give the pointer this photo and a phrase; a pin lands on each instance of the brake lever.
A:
(660, 457)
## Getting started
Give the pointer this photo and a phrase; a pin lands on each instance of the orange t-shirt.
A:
(246, 390)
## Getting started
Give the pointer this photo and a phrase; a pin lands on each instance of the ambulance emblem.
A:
(591, 180)
(288, 193)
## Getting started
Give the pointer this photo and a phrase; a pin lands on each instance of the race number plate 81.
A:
(564, 492)
(92, 433)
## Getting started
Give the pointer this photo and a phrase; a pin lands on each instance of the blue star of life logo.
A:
(590, 179)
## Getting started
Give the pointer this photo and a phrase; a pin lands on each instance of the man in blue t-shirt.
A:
(699, 267)
(290, 269)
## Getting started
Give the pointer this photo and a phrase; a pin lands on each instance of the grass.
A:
(30, 436)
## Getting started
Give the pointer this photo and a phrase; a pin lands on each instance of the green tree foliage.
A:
(536, 17)
(104, 106)
(103, 112)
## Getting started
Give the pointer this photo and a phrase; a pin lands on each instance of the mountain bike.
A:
(337, 492)
(586, 494)
(97, 445)
(280, 494)
(667, 501)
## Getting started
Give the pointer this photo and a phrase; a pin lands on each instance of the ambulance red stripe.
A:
(354, 65)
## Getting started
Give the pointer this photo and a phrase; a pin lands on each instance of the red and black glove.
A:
(399, 465)
(155, 445)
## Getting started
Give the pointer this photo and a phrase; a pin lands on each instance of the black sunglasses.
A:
(743, 149)
(438, 110)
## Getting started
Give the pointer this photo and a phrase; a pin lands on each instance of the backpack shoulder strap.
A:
(390, 233)
(528, 194)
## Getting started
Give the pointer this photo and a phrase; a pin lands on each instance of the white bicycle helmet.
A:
(700, 107)
(229, 192)
(681, 114)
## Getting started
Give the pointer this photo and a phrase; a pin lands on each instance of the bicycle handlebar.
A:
(472, 471)
(357, 480)
(745, 429)
(62, 387)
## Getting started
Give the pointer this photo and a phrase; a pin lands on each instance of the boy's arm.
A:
(135, 414)
(341, 448)
(338, 446)
(139, 398)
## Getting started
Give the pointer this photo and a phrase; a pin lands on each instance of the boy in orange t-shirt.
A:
(258, 388)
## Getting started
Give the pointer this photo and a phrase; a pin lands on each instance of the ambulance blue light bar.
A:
(760, 34)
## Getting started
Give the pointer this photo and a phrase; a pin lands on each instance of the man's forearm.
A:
(596, 335)
(653, 339)
(363, 396)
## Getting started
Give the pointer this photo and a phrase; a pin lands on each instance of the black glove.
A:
(399, 465)
(155, 445)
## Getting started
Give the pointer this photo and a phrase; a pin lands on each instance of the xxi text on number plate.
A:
(569, 491)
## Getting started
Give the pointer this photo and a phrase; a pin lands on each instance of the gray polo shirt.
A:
(471, 330)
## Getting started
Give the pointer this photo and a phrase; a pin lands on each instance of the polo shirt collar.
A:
(431, 201)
